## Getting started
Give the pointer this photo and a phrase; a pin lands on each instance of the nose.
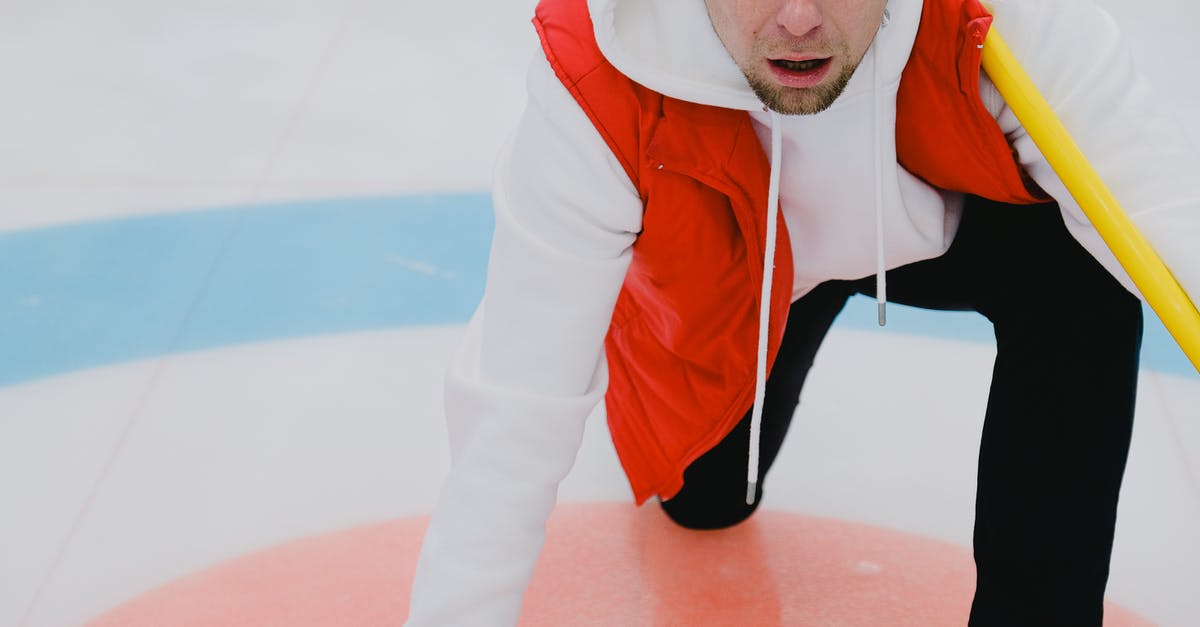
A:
(799, 17)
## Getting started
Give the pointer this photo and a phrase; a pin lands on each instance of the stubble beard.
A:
(800, 101)
(789, 100)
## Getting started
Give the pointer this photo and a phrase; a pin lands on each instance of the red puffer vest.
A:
(681, 347)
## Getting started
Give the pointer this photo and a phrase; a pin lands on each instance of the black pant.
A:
(1059, 415)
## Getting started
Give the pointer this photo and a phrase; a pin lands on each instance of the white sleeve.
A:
(1073, 52)
(532, 366)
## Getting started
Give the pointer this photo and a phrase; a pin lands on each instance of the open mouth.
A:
(800, 66)
(802, 74)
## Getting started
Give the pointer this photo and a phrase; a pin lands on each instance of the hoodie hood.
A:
(670, 46)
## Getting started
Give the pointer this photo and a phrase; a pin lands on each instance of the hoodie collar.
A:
(670, 47)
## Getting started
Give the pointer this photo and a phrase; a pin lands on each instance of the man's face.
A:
(798, 55)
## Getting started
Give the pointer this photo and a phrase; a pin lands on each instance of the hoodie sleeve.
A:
(531, 367)
(1073, 52)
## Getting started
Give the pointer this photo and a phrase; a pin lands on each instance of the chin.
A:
(783, 99)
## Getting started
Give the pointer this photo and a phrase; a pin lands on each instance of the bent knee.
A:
(708, 515)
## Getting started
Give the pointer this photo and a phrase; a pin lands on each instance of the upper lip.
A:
(798, 57)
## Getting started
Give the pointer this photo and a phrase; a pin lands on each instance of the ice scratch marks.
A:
(417, 266)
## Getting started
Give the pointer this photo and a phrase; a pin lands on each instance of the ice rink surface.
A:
(238, 241)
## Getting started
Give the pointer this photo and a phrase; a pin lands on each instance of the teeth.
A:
(799, 66)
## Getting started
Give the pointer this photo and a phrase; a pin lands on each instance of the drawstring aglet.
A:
(883, 314)
(751, 492)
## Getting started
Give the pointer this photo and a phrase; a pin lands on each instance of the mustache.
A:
(815, 49)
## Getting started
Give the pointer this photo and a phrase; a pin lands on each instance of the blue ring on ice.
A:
(95, 293)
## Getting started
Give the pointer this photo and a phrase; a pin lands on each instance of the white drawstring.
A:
(764, 309)
(880, 266)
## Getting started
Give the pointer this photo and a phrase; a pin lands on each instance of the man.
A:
(638, 254)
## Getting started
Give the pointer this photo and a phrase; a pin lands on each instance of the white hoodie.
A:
(532, 367)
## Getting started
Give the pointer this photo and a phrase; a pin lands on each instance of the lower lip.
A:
(811, 78)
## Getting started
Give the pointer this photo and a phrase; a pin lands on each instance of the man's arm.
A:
(532, 365)
(1073, 52)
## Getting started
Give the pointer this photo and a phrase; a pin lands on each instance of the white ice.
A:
(124, 107)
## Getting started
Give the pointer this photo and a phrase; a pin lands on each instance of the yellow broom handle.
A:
(1161, 291)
